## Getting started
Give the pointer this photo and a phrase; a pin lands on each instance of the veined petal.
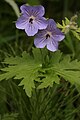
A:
(25, 9)
(31, 29)
(22, 22)
(40, 42)
(33, 10)
(42, 23)
(52, 45)
(51, 24)
(57, 35)
(38, 10)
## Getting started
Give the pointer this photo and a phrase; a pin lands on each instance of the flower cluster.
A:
(45, 30)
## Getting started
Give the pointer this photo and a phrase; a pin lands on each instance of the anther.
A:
(31, 21)
(47, 36)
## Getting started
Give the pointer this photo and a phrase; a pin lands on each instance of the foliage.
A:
(28, 69)
(60, 101)
(70, 25)
(12, 116)
(24, 67)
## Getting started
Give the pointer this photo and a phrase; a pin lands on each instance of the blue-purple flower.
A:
(31, 19)
(49, 37)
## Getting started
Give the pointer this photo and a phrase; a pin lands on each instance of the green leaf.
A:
(69, 70)
(48, 80)
(24, 68)
(76, 34)
(78, 30)
(12, 116)
(32, 67)
(59, 25)
(67, 21)
(55, 57)
(61, 67)
(63, 23)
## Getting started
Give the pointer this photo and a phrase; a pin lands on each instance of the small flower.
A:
(49, 37)
(31, 19)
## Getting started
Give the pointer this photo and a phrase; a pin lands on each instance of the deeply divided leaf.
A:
(61, 67)
(41, 67)
(25, 68)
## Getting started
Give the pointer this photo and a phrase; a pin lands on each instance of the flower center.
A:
(48, 35)
(31, 20)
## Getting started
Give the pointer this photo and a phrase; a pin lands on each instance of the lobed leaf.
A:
(61, 66)
(25, 68)
(30, 68)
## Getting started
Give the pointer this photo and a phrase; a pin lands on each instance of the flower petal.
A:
(33, 10)
(52, 45)
(51, 24)
(57, 35)
(26, 9)
(31, 29)
(38, 10)
(40, 41)
(42, 23)
(22, 21)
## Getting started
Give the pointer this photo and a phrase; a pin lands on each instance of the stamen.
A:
(31, 21)
(47, 36)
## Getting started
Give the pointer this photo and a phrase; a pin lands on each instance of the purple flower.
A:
(49, 37)
(31, 19)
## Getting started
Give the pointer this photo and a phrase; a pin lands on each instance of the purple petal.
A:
(40, 41)
(57, 35)
(52, 45)
(31, 29)
(33, 10)
(26, 9)
(51, 24)
(42, 23)
(39, 10)
(22, 22)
